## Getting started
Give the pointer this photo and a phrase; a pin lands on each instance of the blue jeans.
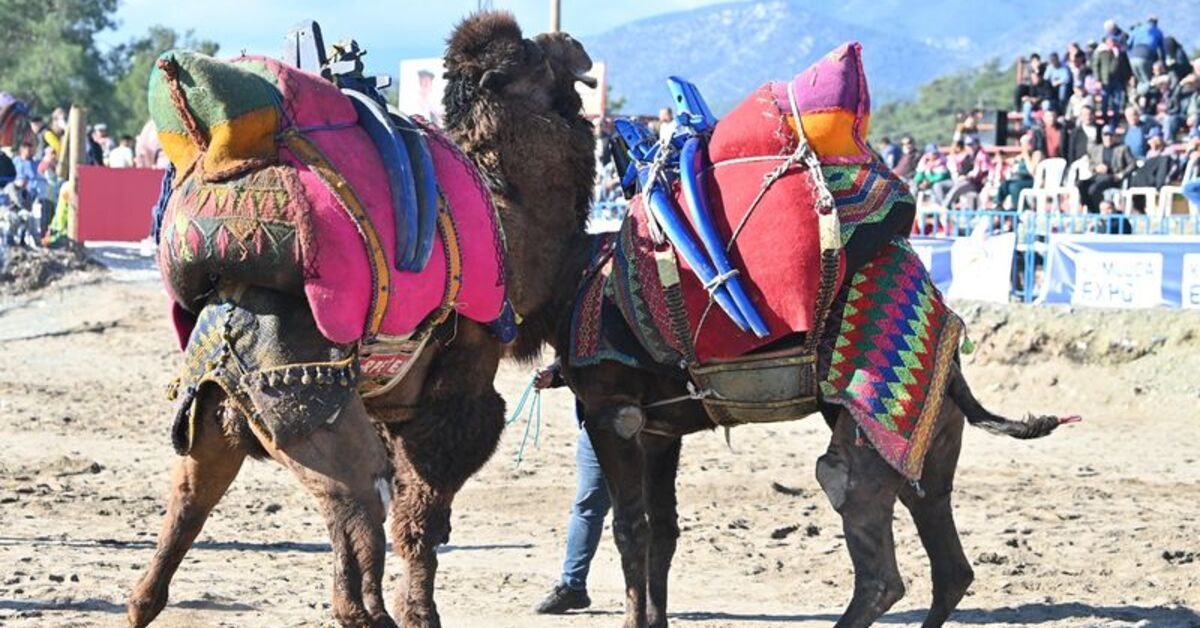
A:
(592, 504)
(1191, 191)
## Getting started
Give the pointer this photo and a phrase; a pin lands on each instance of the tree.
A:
(930, 117)
(48, 53)
(131, 64)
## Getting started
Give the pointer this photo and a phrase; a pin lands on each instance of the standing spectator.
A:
(1025, 74)
(97, 145)
(666, 124)
(1111, 163)
(23, 163)
(122, 155)
(1111, 67)
(1118, 36)
(906, 167)
(890, 152)
(1146, 46)
(1049, 137)
(1020, 173)
(1135, 133)
(1059, 78)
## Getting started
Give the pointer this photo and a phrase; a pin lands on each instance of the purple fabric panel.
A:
(834, 81)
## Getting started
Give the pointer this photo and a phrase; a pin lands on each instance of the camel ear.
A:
(494, 80)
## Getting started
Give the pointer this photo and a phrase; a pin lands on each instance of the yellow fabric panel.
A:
(831, 133)
(248, 136)
(179, 148)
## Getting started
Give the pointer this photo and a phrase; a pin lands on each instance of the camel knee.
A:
(833, 474)
(625, 420)
(630, 532)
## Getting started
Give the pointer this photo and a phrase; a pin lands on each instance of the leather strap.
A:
(312, 157)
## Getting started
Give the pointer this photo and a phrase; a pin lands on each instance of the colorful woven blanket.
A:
(14, 121)
(278, 186)
(886, 354)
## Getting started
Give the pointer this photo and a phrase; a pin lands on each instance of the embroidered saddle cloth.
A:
(277, 185)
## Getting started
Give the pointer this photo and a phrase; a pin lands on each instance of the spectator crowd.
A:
(31, 181)
(1120, 113)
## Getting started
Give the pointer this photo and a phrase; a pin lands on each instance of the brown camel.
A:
(511, 105)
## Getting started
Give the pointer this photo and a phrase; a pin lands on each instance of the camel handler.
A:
(586, 524)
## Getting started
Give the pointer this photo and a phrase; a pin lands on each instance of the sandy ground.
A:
(1098, 525)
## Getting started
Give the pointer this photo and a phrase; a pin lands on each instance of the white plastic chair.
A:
(1166, 195)
(1047, 183)
(1150, 194)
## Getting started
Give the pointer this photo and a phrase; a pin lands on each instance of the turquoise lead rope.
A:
(532, 419)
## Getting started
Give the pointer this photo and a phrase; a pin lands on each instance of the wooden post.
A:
(555, 16)
(76, 140)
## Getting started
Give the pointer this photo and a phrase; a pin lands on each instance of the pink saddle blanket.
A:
(349, 279)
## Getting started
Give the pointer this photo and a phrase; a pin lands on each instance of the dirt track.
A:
(1098, 525)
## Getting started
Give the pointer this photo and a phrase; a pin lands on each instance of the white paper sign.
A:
(1130, 280)
(982, 268)
(1189, 283)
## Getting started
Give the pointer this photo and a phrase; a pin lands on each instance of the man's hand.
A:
(543, 378)
(1101, 168)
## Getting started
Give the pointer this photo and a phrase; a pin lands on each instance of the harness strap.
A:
(312, 157)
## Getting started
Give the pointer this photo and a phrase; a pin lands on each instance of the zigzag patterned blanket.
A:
(887, 352)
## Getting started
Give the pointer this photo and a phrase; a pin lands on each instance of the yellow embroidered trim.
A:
(947, 345)
(453, 260)
(380, 272)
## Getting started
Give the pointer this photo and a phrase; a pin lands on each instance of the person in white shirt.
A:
(666, 124)
(122, 155)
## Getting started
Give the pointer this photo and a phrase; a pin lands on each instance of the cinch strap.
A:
(380, 275)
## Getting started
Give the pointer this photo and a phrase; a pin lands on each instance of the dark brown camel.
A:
(511, 105)
(641, 470)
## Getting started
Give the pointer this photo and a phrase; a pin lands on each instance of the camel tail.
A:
(979, 416)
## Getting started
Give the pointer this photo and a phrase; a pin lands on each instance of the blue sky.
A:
(388, 30)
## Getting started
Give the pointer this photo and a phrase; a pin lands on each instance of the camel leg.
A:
(434, 454)
(198, 482)
(621, 460)
(345, 466)
(863, 489)
(662, 465)
(934, 518)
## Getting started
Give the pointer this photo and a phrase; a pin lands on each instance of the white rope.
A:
(654, 178)
(694, 394)
(720, 280)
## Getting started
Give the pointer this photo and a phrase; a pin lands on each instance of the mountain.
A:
(730, 49)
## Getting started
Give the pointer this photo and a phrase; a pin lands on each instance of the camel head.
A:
(489, 59)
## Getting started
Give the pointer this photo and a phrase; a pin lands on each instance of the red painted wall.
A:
(115, 203)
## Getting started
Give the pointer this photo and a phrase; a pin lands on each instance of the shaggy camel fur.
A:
(511, 105)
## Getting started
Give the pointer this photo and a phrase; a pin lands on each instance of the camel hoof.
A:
(141, 610)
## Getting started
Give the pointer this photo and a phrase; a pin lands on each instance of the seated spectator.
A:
(1079, 99)
(1039, 92)
(1177, 59)
(1191, 170)
(1156, 146)
(1083, 135)
(1111, 162)
(906, 167)
(1020, 173)
(889, 152)
(970, 171)
(8, 171)
(968, 126)
(1049, 136)
(1135, 133)
(19, 202)
(931, 169)
(1112, 221)
(122, 155)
